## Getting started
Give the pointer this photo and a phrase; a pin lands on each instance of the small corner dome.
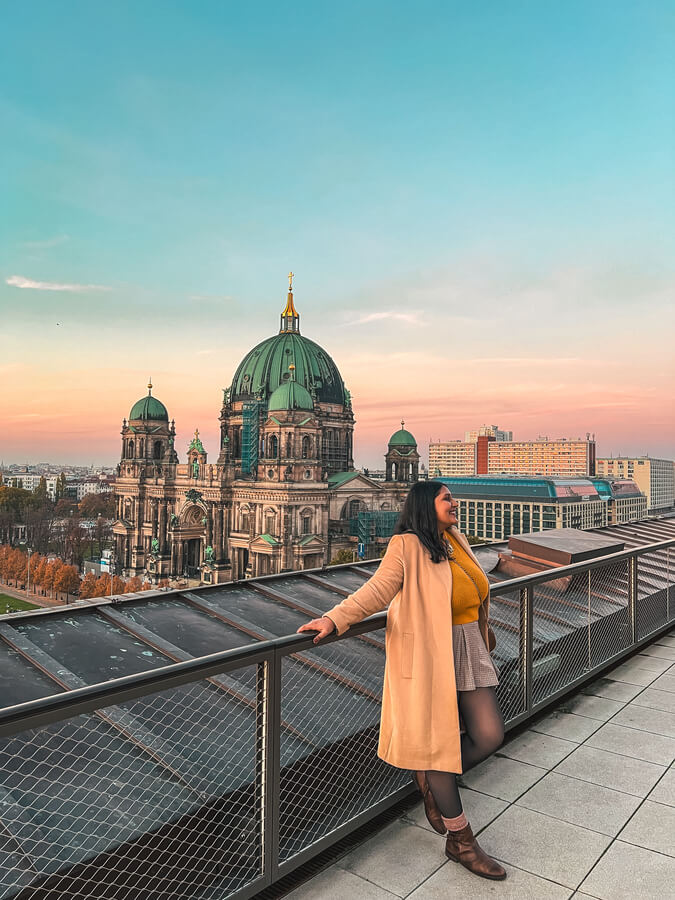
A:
(149, 408)
(402, 438)
(289, 396)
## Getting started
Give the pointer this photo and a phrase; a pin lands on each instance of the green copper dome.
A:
(149, 408)
(290, 395)
(266, 367)
(402, 438)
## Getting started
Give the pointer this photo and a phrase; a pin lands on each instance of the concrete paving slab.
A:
(627, 871)
(594, 707)
(660, 652)
(538, 749)
(612, 690)
(655, 699)
(398, 858)
(337, 884)
(664, 791)
(502, 777)
(655, 721)
(547, 847)
(652, 827)
(581, 803)
(652, 663)
(567, 726)
(666, 640)
(665, 683)
(621, 773)
(631, 742)
(642, 677)
(453, 880)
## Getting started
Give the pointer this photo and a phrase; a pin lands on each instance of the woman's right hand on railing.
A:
(324, 626)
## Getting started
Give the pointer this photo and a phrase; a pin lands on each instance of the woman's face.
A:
(446, 508)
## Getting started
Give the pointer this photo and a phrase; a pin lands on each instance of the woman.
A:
(438, 666)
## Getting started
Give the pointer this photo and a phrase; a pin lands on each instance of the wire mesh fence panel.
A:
(155, 798)
(610, 629)
(653, 581)
(560, 624)
(505, 622)
(336, 711)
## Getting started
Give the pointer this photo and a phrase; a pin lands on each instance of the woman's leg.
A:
(483, 724)
(484, 733)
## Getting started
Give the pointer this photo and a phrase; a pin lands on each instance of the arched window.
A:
(141, 448)
(270, 521)
(130, 450)
(157, 450)
(273, 447)
(385, 506)
(355, 507)
(306, 522)
(245, 518)
(306, 443)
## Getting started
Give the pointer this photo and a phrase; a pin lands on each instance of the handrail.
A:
(573, 568)
(64, 705)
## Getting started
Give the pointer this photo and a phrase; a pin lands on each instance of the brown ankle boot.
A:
(433, 812)
(463, 847)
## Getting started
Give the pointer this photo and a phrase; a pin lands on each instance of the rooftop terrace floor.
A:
(581, 804)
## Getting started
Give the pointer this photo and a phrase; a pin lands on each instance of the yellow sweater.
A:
(466, 599)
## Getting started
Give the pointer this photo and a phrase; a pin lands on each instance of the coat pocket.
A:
(407, 654)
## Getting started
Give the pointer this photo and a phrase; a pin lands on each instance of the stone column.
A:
(162, 527)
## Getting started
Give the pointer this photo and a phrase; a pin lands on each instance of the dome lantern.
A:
(149, 408)
(290, 320)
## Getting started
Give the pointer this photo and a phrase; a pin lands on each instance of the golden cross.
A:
(291, 275)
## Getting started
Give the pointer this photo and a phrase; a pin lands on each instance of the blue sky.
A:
(452, 181)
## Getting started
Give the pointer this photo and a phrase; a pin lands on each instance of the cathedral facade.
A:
(282, 493)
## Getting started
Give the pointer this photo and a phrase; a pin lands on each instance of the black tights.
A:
(483, 733)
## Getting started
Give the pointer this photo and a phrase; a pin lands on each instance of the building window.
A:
(306, 447)
(306, 524)
(273, 447)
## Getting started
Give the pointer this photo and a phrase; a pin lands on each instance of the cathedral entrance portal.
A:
(192, 557)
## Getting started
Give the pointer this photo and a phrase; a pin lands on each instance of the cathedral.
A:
(282, 493)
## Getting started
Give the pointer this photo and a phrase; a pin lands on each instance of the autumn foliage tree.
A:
(66, 580)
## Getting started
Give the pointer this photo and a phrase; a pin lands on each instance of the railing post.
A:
(526, 642)
(632, 597)
(268, 718)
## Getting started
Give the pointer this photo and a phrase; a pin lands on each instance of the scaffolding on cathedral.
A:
(370, 525)
(249, 437)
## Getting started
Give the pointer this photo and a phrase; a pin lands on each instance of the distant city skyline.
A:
(478, 202)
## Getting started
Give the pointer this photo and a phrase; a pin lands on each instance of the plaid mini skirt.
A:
(473, 664)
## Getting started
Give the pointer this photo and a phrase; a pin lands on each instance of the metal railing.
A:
(213, 778)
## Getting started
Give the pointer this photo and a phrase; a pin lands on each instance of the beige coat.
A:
(419, 726)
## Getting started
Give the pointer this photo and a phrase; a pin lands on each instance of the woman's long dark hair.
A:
(418, 516)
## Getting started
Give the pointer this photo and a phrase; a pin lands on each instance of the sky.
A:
(478, 201)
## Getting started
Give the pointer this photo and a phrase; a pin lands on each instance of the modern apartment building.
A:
(493, 508)
(654, 477)
(452, 458)
(488, 431)
(561, 458)
(489, 456)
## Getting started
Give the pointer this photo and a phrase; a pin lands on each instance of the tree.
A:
(93, 505)
(74, 539)
(60, 486)
(88, 586)
(133, 585)
(66, 580)
(40, 492)
(51, 573)
(341, 557)
(65, 507)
